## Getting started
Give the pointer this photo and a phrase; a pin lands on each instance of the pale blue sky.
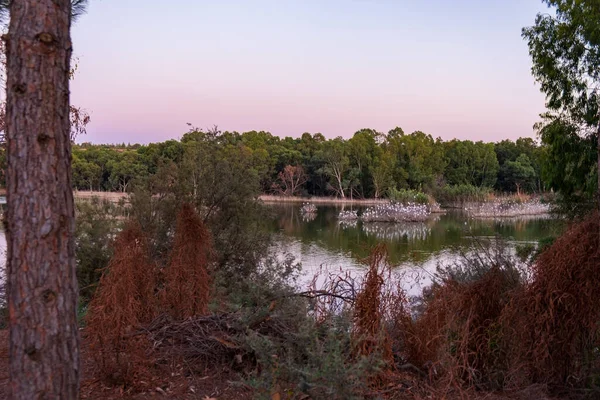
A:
(449, 68)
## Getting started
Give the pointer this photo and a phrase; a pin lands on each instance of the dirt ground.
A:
(213, 385)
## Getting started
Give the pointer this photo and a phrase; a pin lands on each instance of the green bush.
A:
(97, 223)
(461, 194)
(405, 196)
(313, 360)
(529, 251)
(525, 251)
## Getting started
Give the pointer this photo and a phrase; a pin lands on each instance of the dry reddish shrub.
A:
(374, 307)
(187, 278)
(458, 336)
(424, 338)
(478, 345)
(369, 331)
(125, 299)
(498, 333)
(553, 324)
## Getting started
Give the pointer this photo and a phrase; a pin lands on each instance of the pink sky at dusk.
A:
(451, 69)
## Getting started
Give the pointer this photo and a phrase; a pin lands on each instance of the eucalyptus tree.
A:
(419, 158)
(42, 282)
(335, 164)
(521, 173)
(565, 50)
(470, 163)
(362, 150)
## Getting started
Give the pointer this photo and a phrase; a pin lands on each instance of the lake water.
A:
(321, 241)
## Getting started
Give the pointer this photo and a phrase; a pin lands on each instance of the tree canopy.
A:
(565, 49)
(368, 164)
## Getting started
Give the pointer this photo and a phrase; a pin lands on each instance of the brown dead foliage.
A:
(500, 333)
(472, 336)
(124, 301)
(215, 339)
(187, 278)
(369, 309)
(129, 298)
(380, 313)
(200, 340)
(553, 324)
(457, 338)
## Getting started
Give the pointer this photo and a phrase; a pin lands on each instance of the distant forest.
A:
(371, 164)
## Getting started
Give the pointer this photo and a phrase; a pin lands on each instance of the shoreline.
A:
(473, 209)
(114, 197)
(265, 198)
(476, 210)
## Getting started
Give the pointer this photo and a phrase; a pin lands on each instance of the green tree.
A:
(470, 163)
(221, 178)
(362, 150)
(309, 147)
(336, 163)
(569, 165)
(509, 151)
(103, 157)
(383, 169)
(86, 175)
(565, 50)
(521, 173)
(96, 226)
(152, 154)
(419, 158)
(126, 167)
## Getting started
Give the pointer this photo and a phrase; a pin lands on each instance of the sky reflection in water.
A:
(415, 249)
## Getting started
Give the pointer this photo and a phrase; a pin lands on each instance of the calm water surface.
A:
(321, 241)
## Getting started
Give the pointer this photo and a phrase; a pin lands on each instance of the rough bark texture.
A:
(598, 169)
(44, 355)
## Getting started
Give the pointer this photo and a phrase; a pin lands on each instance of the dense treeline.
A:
(370, 164)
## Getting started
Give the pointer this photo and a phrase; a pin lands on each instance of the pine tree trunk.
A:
(598, 170)
(42, 285)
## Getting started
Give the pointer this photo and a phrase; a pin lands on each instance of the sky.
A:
(450, 68)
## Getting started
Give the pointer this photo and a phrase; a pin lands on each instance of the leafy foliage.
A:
(448, 194)
(407, 196)
(370, 164)
(471, 163)
(97, 224)
(521, 172)
(565, 50)
(570, 166)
